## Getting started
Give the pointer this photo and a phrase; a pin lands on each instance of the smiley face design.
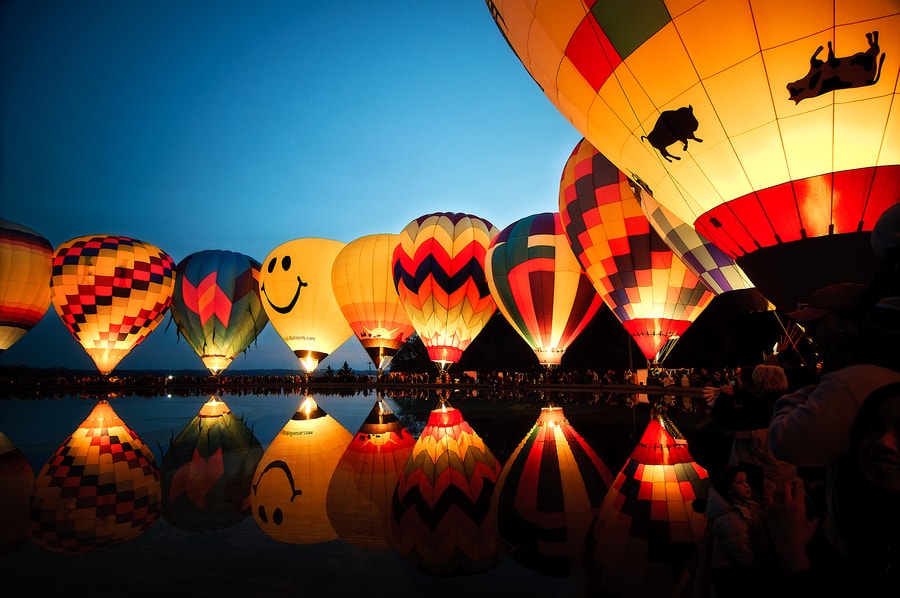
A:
(296, 292)
(286, 266)
(290, 484)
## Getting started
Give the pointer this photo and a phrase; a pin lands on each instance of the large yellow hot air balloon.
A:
(438, 270)
(25, 263)
(295, 284)
(111, 292)
(364, 289)
(772, 127)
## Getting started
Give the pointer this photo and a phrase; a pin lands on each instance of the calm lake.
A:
(174, 555)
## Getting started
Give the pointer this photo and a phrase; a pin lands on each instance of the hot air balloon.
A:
(770, 127)
(216, 305)
(440, 517)
(539, 286)
(16, 484)
(364, 288)
(290, 484)
(25, 263)
(548, 494)
(206, 473)
(647, 529)
(438, 271)
(98, 490)
(650, 290)
(110, 292)
(363, 483)
(298, 297)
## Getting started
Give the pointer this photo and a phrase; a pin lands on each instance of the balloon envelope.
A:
(216, 305)
(539, 286)
(364, 288)
(438, 271)
(111, 292)
(650, 290)
(299, 300)
(25, 263)
(771, 127)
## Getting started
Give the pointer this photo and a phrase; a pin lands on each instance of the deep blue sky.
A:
(242, 125)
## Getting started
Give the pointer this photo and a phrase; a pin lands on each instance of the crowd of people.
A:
(806, 474)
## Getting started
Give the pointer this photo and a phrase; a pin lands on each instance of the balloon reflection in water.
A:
(647, 530)
(441, 521)
(359, 495)
(26, 259)
(548, 494)
(16, 484)
(207, 471)
(98, 490)
(290, 487)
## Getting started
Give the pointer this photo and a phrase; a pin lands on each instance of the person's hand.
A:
(727, 389)
(710, 394)
(789, 527)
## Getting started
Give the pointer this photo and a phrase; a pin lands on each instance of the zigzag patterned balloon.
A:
(441, 521)
(216, 305)
(438, 270)
(111, 292)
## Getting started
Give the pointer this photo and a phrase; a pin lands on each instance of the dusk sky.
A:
(244, 125)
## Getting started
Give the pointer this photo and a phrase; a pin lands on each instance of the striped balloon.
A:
(648, 288)
(539, 286)
(25, 263)
(364, 288)
(548, 493)
(363, 483)
(647, 528)
(216, 305)
(440, 521)
(438, 271)
(111, 292)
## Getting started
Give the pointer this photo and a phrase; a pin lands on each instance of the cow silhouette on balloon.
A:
(859, 70)
(672, 126)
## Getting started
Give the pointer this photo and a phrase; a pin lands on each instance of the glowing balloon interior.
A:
(364, 288)
(438, 271)
(299, 300)
(650, 290)
(539, 286)
(111, 292)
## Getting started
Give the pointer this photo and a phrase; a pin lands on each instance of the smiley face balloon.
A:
(295, 283)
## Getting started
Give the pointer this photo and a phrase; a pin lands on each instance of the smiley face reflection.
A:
(290, 484)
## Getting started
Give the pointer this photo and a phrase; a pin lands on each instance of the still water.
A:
(245, 555)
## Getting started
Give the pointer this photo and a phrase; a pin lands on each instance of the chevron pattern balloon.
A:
(441, 521)
(438, 271)
(216, 305)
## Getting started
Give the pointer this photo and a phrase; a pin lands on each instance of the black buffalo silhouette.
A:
(672, 126)
(858, 70)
